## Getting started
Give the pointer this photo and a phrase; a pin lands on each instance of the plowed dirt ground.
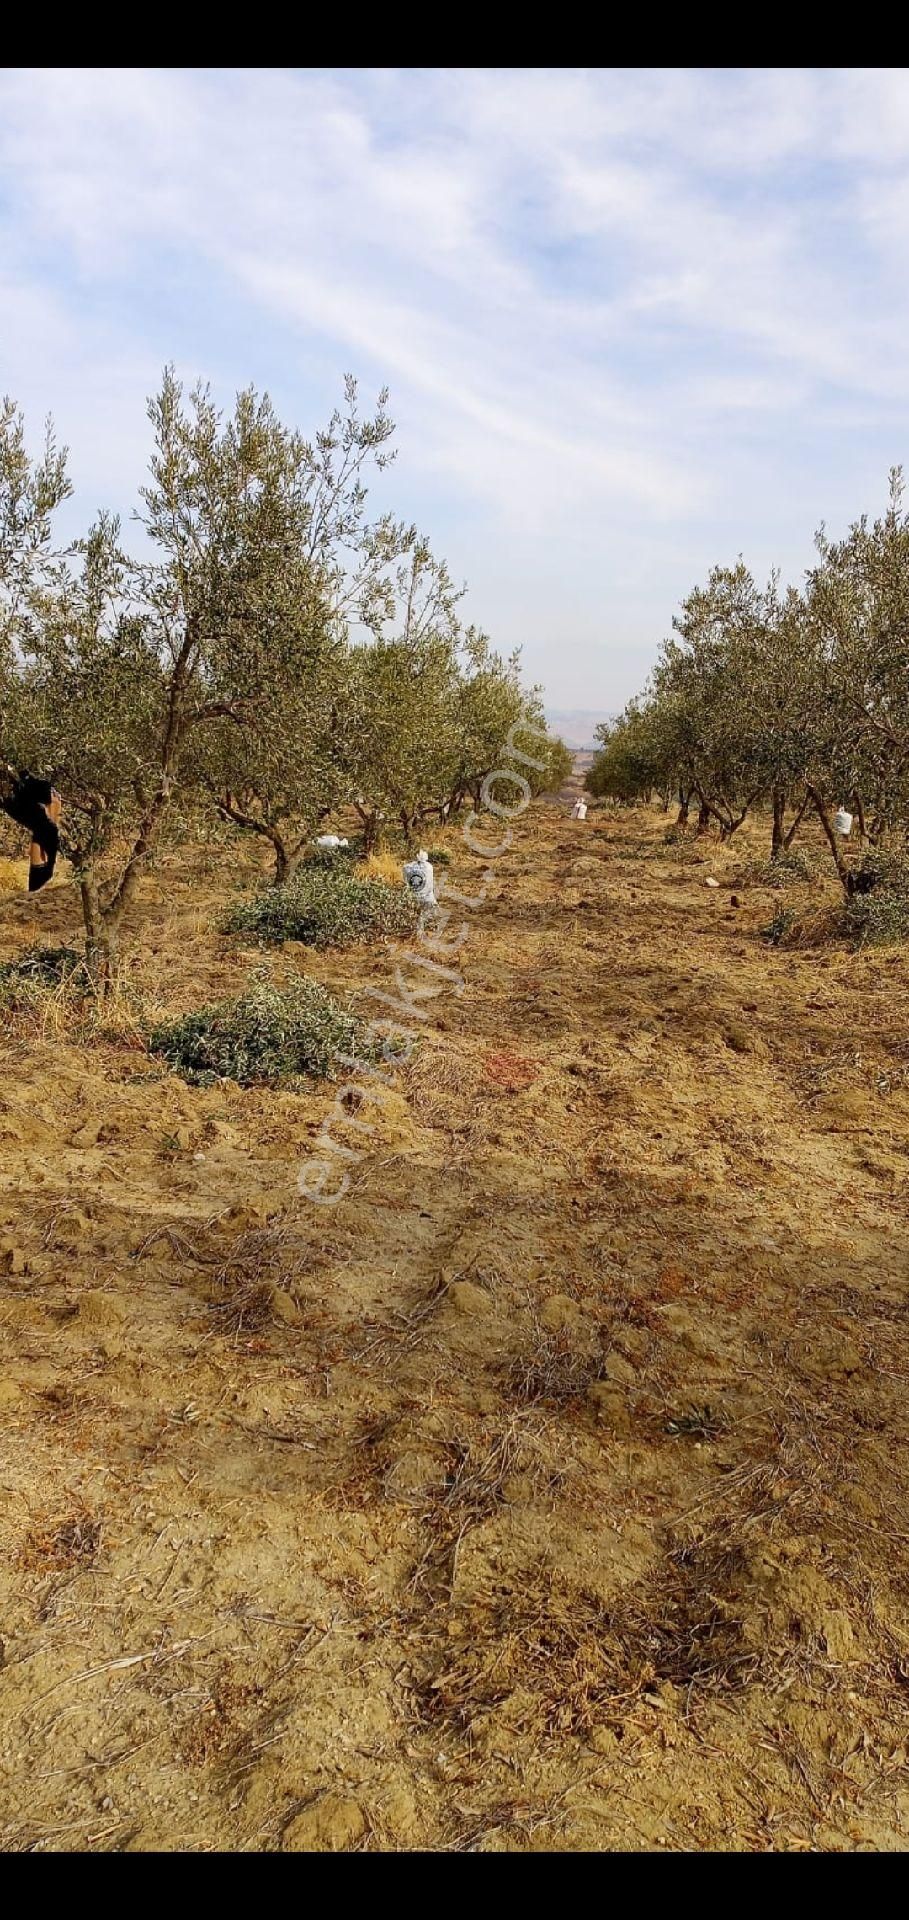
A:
(548, 1492)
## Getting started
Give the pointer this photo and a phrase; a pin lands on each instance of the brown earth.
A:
(549, 1491)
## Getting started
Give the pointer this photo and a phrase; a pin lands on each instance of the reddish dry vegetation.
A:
(550, 1492)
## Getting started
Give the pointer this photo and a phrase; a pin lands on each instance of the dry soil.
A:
(550, 1492)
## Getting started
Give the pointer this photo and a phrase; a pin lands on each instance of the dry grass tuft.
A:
(442, 1086)
(697, 1423)
(549, 1654)
(13, 875)
(565, 1661)
(71, 1008)
(796, 932)
(552, 1371)
(690, 1629)
(262, 1271)
(211, 1731)
(437, 1071)
(473, 1489)
(477, 1473)
(383, 866)
(176, 1243)
(63, 1544)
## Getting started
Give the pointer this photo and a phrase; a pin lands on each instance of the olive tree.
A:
(698, 678)
(30, 493)
(491, 701)
(278, 773)
(287, 765)
(857, 606)
(630, 760)
(771, 694)
(433, 709)
(123, 662)
(397, 732)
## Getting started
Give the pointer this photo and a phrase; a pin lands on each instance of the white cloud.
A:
(601, 299)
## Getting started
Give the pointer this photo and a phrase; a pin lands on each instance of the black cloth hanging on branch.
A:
(27, 801)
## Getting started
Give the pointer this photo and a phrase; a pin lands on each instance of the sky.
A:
(633, 322)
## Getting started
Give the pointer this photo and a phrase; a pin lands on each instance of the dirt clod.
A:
(331, 1825)
(467, 1298)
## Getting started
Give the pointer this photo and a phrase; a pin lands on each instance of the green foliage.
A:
(325, 909)
(30, 493)
(333, 859)
(211, 656)
(40, 971)
(796, 699)
(877, 919)
(884, 869)
(497, 721)
(269, 1035)
(46, 966)
(793, 869)
(558, 762)
(782, 923)
(433, 711)
(399, 736)
(628, 764)
(273, 649)
(877, 913)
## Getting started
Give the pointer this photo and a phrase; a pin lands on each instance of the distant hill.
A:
(576, 725)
